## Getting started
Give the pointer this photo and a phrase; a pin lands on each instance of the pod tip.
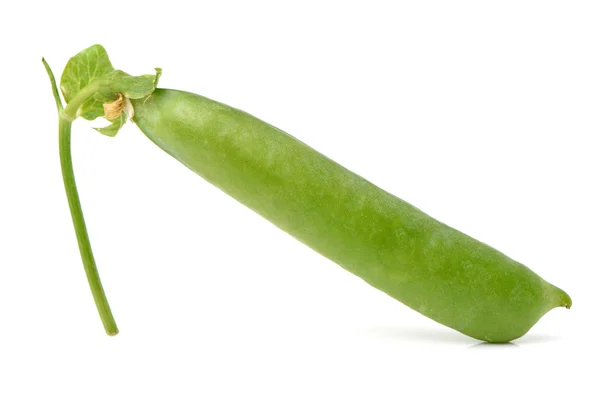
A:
(565, 299)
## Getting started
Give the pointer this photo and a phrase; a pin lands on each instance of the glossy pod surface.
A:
(427, 265)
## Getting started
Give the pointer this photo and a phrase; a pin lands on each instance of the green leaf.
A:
(88, 65)
(112, 129)
(134, 86)
(89, 80)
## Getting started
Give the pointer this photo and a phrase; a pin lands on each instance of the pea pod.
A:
(395, 247)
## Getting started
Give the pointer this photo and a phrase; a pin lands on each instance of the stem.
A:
(85, 248)
(97, 86)
(59, 105)
(83, 240)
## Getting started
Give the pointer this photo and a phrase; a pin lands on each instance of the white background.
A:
(483, 114)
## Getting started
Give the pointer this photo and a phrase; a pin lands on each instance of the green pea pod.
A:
(427, 265)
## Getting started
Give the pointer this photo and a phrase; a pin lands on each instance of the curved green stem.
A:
(96, 86)
(83, 239)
